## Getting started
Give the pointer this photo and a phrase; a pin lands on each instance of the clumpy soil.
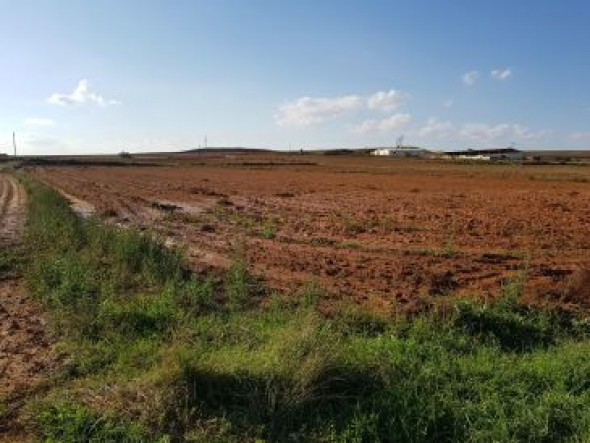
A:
(393, 234)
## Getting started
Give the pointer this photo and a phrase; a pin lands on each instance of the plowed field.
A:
(395, 234)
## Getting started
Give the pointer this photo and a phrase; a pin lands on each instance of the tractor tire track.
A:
(27, 355)
(12, 210)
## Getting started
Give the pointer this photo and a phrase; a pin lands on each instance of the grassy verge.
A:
(157, 354)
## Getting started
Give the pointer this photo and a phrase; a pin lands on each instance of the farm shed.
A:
(405, 151)
(498, 154)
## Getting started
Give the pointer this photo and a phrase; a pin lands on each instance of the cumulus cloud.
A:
(501, 74)
(387, 101)
(436, 128)
(307, 111)
(39, 121)
(470, 78)
(388, 124)
(483, 132)
(82, 94)
(477, 133)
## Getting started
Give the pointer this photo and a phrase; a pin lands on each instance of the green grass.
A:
(63, 422)
(10, 261)
(157, 354)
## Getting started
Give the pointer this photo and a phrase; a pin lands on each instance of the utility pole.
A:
(14, 142)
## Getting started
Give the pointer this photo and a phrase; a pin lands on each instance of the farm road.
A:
(26, 351)
(12, 206)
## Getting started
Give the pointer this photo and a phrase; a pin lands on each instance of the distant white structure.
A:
(498, 154)
(401, 151)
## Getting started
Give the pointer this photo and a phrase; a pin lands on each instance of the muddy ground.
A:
(393, 234)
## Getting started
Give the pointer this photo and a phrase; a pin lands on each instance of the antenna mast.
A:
(400, 141)
(14, 142)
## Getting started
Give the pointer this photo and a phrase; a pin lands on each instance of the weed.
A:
(10, 261)
(449, 249)
(196, 296)
(312, 293)
(269, 229)
(71, 422)
(240, 285)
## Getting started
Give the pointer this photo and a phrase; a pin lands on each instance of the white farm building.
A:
(499, 154)
(402, 151)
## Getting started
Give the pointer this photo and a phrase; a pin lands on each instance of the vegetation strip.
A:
(158, 354)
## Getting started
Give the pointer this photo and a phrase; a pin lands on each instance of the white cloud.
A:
(389, 124)
(581, 136)
(307, 111)
(436, 128)
(82, 94)
(501, 74)
(470, 78)
(387, 101)
(39, 121)
(449, 103)
(477, 133)
(483, 132)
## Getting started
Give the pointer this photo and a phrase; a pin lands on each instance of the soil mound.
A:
(578, 289)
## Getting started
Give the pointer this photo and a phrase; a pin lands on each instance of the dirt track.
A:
(386, 233)
(12, 201)
(26, 353)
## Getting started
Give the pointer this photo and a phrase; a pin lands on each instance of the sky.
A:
(106, 76)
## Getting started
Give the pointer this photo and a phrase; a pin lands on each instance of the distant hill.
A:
(227, 150)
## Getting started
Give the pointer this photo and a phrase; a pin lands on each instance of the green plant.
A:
(449, 249)
(70, 422)
(269, 229)
(240, 285)
(10, 260)
(312, 293)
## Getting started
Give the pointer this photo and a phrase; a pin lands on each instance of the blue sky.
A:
(140, 75)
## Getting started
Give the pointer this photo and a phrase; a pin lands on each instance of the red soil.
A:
(390, 233)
